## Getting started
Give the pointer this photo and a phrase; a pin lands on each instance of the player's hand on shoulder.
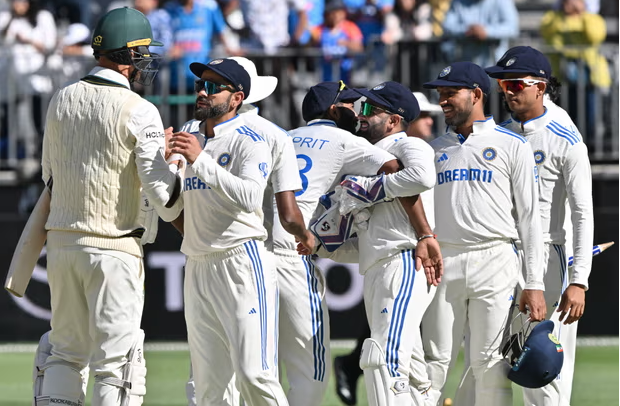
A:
(185, 144)
(572, 304)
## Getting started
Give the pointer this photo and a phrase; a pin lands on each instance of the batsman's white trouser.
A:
(231, 315)
(392, 291)
(558, 392)
(477, 290)
(97, 297)
(304, 328)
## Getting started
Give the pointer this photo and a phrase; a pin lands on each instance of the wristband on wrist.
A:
(422, 237)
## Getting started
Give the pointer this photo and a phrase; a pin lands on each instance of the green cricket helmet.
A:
(124, 36)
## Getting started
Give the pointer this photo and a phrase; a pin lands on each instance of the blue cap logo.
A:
(489, 154)
(445, 71)
(510, 61)
(223, 160)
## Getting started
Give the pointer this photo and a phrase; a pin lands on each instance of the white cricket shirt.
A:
(564, 175)
(325, 155)
(223, 189)
(389, 229)
(481, 179)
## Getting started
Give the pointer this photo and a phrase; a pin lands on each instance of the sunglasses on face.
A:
(368, 110)
(210, 87)
(517, 85)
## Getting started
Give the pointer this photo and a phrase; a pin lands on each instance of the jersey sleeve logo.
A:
(263, 168)
(489, 154)
(224, 159)
(539, 157)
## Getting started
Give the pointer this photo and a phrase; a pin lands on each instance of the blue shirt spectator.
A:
(368, 15)
(476, 21)
(194, 24)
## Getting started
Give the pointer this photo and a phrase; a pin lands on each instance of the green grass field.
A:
(595, 384)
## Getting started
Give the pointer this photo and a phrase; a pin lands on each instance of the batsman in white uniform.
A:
(95, 163)
(325, 154)
(230, 282)
(564, 176)
(484, 174)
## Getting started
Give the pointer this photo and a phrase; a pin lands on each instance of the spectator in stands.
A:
(576, 36)
(28, 36)
(470, 26)
(266, 23)
(194, 23)
(369, 15)
(422, 126)
(160, 22)
(337, 37)
(410, 21)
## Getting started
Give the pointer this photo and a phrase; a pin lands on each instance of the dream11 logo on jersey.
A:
(339, 298)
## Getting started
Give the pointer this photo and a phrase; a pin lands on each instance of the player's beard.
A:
(218, 110)
(460, 117)
(374, 132)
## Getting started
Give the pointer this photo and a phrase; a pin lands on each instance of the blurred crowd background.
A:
(45, 43)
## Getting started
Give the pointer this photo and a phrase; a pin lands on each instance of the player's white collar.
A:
(322, 121)
(384, 143)
(533, 124)
(478, 127)
(109, 74)
(226, 126)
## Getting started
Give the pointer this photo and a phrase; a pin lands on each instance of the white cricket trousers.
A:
(477, 292)
(231, 316)
(393, 297)
(304, 328)
(558, 392)
(97, 298)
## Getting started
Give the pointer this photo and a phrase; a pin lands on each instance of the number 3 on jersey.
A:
(307, 165)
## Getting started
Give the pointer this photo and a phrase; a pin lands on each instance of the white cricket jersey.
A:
(283, 177)
(480, 180)
(389, 228)
(564, 175)
(223, 189)
(325, 154)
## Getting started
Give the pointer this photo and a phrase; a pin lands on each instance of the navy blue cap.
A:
(522, 59)
(541, 358)
(331, 5)
(320, 97)
(396, 99)
(461, 74)
(228, 69)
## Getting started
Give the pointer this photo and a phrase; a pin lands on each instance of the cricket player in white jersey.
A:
(283, 182)
(230, 282)
(346, 367)
(484, 173)
(95, 163)
(565, 176)
(325, 154)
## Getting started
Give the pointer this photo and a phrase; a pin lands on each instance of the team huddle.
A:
(451, 235)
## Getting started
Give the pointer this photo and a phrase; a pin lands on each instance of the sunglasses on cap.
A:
(211, 88)
(517, 85)
(368, 110)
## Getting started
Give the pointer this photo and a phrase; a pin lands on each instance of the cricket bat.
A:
(29, 247)
(597, 249)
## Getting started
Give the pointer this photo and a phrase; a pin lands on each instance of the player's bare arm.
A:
(428, 253)
(389, 167)
(178, 223)
(292, 219)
